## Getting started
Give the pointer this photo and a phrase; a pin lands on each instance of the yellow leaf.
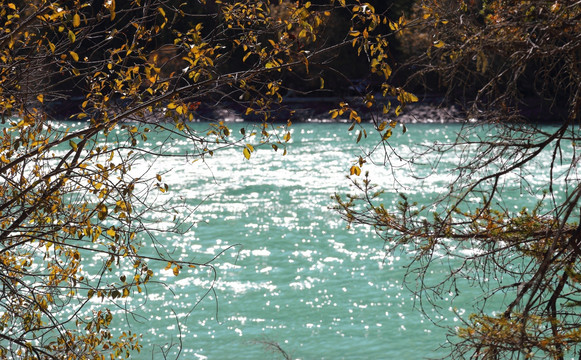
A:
(386, 71)
(111, 7)
(176, 270)
(12, 6)
(76, 20)
(398, 110)
(246, 153)
(387, 134)
(439, 43)
(355, 170)
(111, 232)
(74, 55)
(250, 147)
(287, 137)
(40, 98)
(102, 214)
(401, 21)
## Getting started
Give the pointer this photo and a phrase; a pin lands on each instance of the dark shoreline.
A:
(431, 109)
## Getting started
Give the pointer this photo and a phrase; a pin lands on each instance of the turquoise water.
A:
(287, 268)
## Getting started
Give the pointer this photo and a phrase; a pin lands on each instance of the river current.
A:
(289, 270)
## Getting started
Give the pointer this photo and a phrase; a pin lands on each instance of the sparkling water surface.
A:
(288, 270)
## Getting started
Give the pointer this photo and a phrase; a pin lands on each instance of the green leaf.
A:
(72, 36)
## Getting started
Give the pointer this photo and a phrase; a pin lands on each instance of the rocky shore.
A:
(429, 109)
(317, 110)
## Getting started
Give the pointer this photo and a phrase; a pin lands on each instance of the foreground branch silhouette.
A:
(511, 65)
(133, 76)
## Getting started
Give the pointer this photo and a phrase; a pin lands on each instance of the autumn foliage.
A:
(128, 70)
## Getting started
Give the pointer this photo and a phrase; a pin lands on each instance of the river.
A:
(288, 269)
